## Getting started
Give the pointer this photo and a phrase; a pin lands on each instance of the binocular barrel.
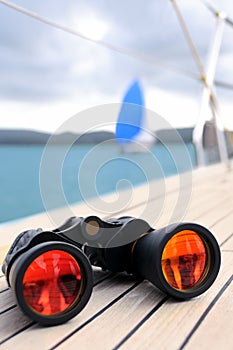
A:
(52, 281)
(182, 260)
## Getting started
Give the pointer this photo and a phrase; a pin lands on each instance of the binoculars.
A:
(50, 271)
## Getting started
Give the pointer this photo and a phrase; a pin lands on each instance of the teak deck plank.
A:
(228, 245)
(217, 325)
(9, 232)
(8, 300)
(171, 325)
(124, 315)
(129, 314)
(42, 337)
(3, 284)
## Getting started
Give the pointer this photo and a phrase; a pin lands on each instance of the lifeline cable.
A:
(115, 48)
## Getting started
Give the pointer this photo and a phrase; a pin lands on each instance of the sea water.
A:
(87, 171)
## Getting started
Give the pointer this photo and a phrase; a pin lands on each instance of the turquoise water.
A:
(100, 169)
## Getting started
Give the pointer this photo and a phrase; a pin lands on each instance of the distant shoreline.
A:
(28, 137)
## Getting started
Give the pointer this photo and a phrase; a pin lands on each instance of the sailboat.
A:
(132, 134)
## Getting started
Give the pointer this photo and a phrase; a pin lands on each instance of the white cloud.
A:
(91, 27)
(48, 75)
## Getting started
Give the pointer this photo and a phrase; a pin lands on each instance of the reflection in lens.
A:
(52, 282)
(184, 260)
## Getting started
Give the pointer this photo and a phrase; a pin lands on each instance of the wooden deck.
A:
(128, 314)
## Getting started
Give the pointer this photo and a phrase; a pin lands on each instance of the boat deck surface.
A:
(124, 313)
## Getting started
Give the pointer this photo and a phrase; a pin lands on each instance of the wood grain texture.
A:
(172, 323)
(215, 331)
(12, 322)
(8, 300)
(45, 337)
(3, 284)
(228, 244)
(106, 331)
(212, 175)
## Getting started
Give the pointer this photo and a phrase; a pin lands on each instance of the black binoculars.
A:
(51, 275)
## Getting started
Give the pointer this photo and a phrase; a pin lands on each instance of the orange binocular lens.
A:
(184, 260)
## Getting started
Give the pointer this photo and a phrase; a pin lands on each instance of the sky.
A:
(47, 76)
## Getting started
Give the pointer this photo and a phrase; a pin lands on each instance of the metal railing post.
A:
(208, 80)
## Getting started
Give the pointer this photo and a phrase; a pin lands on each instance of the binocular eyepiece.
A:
(51, 278)
(51, 275)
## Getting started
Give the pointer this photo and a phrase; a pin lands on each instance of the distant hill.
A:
(22, 137)
(28, 137)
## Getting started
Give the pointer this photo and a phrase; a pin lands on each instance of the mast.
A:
(207, 97)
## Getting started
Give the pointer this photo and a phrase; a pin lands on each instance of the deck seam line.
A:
(141, 203)
(222, 218)
(8, 309)
(95, 284)
(213, 207)
(206, 312)
(18, 332)
(139, 324)
(97, 314)
(152, 200)
(4, 290)
(110, 275)
(227, 239)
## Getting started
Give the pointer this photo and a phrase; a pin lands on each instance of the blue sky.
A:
(48, 75)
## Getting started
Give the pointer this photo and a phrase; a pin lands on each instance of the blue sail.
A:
(130, 119)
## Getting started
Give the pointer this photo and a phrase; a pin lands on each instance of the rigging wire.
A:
(217, 13)
(213, 100)
(143, 58)
(193, 49)
(124, 51)
(223, 85)
(115, 48)
(229, 21)
(188, 38)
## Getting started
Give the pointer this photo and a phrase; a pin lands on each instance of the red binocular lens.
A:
(52, 282)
